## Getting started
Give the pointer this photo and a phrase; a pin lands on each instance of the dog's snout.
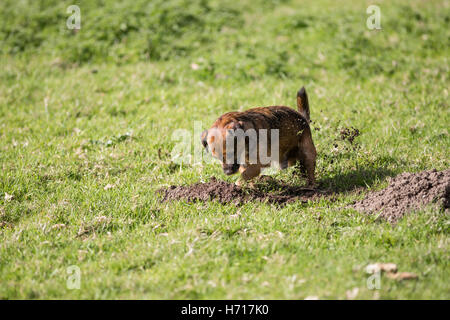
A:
(230, 169)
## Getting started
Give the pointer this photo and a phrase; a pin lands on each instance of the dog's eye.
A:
(204, 137)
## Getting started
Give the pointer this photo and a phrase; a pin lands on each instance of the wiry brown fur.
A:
(295, 140)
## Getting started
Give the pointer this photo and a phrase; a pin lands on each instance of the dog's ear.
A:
(302, 103)
(204, 137)
(237, 125)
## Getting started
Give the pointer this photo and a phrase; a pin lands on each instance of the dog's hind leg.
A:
(290, 159)
(307, 157)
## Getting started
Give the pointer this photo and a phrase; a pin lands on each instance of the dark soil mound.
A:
(406, 192)
(224, 192)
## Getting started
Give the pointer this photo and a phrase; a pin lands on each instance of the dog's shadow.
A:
(349, 181)
(331, 184)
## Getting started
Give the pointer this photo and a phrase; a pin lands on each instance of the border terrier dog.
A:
(254, 139)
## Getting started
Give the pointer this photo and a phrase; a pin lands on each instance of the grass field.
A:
(86, 124)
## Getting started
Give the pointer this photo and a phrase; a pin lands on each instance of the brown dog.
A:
(294, 143)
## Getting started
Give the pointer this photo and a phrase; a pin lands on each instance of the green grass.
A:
(79, 111)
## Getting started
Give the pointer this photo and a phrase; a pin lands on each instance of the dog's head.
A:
(216, 139)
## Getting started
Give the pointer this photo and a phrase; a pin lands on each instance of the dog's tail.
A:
(302, 103)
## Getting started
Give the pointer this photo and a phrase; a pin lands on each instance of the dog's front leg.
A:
(248, 172)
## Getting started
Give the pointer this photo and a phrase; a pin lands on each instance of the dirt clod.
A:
(406, 192)
(349, 134)
(224, 192)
